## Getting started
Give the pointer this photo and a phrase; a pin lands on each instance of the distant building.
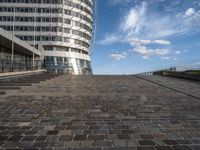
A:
(63, 27)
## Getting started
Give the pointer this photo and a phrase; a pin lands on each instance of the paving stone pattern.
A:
(99, 113)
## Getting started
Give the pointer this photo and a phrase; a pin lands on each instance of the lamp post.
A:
(34, 38)
(13, 32)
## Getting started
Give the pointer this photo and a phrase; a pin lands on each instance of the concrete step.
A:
(29, 80)
(14, 84)
(38, 79)
(10, 88)
(8, 85)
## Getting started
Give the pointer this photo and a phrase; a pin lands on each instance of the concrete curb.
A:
(9, 74)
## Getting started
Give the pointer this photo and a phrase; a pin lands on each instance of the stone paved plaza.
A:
(101, 113)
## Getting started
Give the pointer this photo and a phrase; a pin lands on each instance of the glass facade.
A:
(21, 61)
(57, 64)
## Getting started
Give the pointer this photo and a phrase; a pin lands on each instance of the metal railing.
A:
(190, 75)
(21, 65)
(183, 75)
(158, 72)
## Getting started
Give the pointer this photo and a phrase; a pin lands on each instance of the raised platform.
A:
(18, 80)
(102, 113)
(9, 74)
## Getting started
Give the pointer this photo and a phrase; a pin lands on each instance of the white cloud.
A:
(141, 47)
(177, 52)
(110, 39)
(161, 52)
(189, 16)
(114, 2)
(146, 42)
(175, 59)
(161, 42)
(118, 56)
(141, 22)
(190, 12)
(142, 26)
(146, 53)
(145, 57)
(133, 18)
(165, 58)
(142, 50)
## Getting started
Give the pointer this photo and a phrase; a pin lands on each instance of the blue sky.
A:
(135, 36)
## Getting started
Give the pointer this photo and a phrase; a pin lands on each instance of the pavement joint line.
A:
(173, 89)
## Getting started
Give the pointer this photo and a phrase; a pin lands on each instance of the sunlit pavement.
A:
(101, 113)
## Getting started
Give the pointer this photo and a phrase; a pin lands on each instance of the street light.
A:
(34, 38)
(13, 32)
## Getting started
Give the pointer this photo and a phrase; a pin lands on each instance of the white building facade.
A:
(63, 27)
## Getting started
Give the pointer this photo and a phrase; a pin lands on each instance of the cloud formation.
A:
(113, 38)
(118, 56)
(155, 22)
(147, 52)
(146, 42)
(142, 22)
(115, 2)
(190, 12)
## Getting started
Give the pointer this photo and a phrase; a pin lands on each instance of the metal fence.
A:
(173, 73)
(183, 75)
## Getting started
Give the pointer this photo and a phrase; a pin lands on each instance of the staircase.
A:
(17, 82)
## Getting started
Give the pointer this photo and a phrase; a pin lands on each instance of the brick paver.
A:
(99, 113)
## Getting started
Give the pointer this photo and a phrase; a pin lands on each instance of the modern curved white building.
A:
(63, 27)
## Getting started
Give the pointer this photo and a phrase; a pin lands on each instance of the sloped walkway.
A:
(182, 85)
(99, 113)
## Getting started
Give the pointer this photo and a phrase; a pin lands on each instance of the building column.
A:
(33, 61)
